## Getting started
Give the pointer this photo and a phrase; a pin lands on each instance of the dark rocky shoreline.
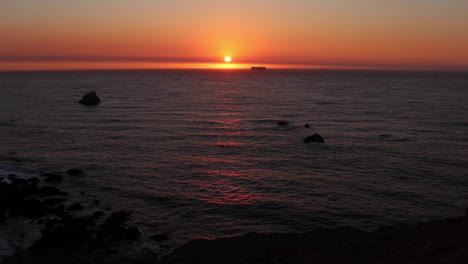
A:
(86, 234)
(438, 241)
(71, 232)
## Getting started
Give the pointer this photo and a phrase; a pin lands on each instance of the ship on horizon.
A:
(258, 68)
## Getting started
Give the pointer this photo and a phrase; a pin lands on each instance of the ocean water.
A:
(199, 154)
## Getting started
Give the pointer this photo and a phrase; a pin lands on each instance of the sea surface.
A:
(199, 153)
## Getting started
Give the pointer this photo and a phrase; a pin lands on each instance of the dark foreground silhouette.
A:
(69, 236)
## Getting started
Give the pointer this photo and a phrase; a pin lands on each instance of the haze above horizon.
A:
(116, 34)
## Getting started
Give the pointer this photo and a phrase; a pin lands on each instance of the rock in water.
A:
(306, 126)
(283, 123)
(314, 138)
(74, 172)
(90, 99)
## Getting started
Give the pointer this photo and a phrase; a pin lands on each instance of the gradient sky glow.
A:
(397, 34)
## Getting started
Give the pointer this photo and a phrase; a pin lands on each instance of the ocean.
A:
(200, 154)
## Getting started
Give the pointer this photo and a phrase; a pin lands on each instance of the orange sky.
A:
(55, 34)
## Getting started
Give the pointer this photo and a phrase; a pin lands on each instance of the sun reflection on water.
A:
(223, 180)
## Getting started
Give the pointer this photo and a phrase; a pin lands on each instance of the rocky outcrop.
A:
(314, 138)
(69, 235)
(283, 123)
(75, 207)
(438, 241)
(160, 237)
(52, 177)
(90, 98)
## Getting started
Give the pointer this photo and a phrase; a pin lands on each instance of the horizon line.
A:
(105, 62)
(375, 69)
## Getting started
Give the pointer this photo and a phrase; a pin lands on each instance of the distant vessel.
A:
(258, 68)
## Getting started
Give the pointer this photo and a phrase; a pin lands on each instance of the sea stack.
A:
(90, 98)
(314, 138)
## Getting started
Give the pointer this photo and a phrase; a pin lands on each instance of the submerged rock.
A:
(314, 138)
(74, 172)
(283, 123)
(90, 99)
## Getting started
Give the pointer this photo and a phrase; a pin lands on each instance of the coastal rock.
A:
(75, 207)
(160, 237)
(90, 98)
(74, 172)
(2, 216)
(53, 178)
(283, 123)
(33, 208)
(57, 210)
(115, 225)
(146, 256)
(133, 233)
(53, 201)
(67, 231)
(33, 180)
(314, 138)
(30, 189)
(18, 181)
(48, 174)
(50, 191)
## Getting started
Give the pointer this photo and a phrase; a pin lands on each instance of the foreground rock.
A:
(314, 138)
(52, 177)
(440, 241)
(90, 99)
(72, 234)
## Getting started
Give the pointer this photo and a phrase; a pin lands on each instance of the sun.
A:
(227, 59)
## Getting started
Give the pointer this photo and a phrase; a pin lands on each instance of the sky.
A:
(387, 34)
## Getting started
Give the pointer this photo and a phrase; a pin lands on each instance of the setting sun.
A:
(227, 59)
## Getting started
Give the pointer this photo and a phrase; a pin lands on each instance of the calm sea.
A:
(200, 154)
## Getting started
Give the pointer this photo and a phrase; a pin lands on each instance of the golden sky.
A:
(397, 34)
